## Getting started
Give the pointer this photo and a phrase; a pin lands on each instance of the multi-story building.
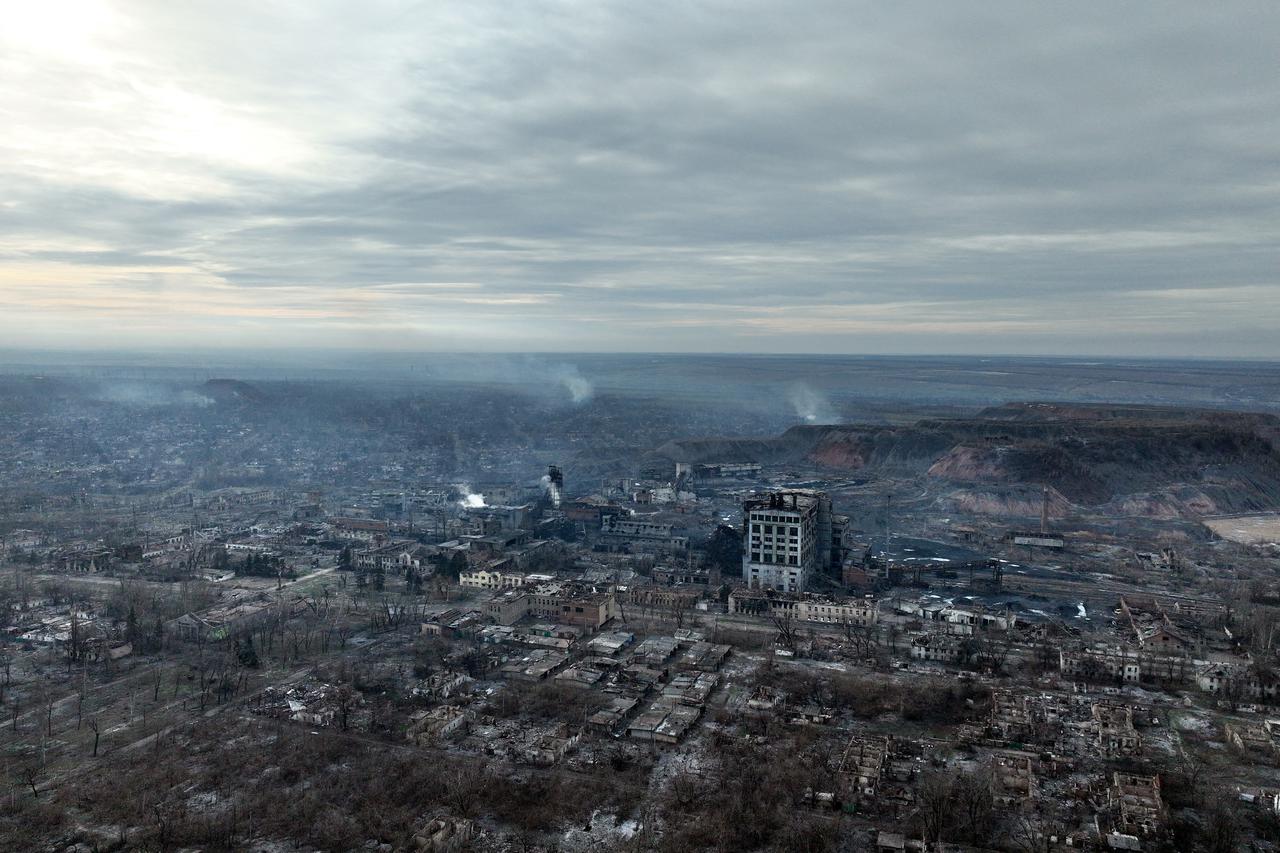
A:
(564, 603)
(1237, 681)
(805, 608)
(1122, 664)
(640, 534)
(360, 529)
(1134, 808)
(388, 559)
(483, 579)
(791, 537)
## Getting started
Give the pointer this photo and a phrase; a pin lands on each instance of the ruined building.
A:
(792, 539)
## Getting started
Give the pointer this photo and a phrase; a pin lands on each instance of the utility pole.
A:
(888, 503)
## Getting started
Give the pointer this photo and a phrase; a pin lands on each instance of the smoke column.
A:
(811, 405)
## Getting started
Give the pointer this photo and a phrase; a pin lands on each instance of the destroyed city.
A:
(566, 427)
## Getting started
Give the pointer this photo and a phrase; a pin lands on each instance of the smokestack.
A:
(555, 482)
(1044, 509)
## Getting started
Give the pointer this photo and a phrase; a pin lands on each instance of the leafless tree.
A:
(1190, 764)
(679, 604)
(1027, 834)
(936, 805)
(786, 630)
(31, 776)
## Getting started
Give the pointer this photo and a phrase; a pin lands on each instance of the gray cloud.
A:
(855, 177)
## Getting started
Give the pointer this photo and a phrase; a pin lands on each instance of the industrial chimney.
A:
(555, 483)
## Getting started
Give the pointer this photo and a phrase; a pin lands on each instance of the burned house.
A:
(228, 620)
(314, 703)
(1027, 717)
(1134, 811)
(1013, 778)
(862, 766)
(939, 648)
(441, 723)
(1114, 731)
(1256, 741)
(1237, 681)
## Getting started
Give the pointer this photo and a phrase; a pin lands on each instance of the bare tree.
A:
(1026, 834)
(31, 776)
(935, 805)
(786, 630)
(975, 805)
(679, 604)
(1190, 764)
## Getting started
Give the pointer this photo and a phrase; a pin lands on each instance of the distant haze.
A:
(998, 177)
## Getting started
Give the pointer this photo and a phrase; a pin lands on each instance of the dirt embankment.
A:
(1124, 460)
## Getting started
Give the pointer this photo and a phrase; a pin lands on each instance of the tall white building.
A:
(789, 539)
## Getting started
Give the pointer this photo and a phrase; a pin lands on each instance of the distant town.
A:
(241, 615)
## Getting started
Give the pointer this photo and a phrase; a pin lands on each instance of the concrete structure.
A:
(389, 559)
(1114, 726)
(1135, 806)
(640, 535)
(359, 529)
(803, 607)
(665, 721)
(1038, 540)
(791, 536)
(484, 579)
(566, 603)
(1122, 664)
(862, 765)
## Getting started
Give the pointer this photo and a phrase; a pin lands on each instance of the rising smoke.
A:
(147, 394)
(531, 375)
(811, 404)
(470, 499)
(579, 388)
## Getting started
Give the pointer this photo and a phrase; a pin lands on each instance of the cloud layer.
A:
(908, 177)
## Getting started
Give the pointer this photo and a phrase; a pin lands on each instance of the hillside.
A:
(1114, 460)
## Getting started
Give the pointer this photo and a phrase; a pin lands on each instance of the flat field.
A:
(1248, 529)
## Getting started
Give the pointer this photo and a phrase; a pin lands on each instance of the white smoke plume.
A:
(148, 394)
(579, 387)
(534, 376)
(470, 499)
(811, 404)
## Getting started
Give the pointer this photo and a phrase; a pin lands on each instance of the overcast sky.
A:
(945, 177)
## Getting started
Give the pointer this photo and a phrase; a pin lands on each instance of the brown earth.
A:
(1123, 460)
